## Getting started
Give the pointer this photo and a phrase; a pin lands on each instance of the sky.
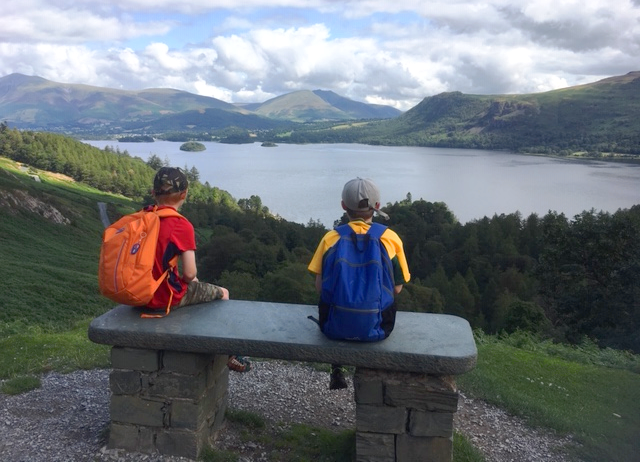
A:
(392, 52)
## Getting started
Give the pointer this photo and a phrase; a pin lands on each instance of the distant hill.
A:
(601, 117)
(356, 109)
(319, 105)
(39, 104)
(36, 103)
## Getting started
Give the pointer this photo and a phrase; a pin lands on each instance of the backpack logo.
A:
(357, 285)
(135, 248)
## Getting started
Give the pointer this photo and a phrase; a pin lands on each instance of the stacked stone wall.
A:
(173, 403)
(404, 417)
(166, 402)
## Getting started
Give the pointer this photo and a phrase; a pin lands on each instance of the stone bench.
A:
(169, 382)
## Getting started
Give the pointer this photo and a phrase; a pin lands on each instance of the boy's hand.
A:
(225, 294)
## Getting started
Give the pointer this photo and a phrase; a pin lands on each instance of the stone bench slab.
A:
(427, 343)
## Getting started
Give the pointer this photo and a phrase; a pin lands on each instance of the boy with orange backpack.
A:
(172, 237)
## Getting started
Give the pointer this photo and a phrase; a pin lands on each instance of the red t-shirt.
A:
(176, 236)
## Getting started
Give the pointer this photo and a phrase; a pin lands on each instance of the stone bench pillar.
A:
(404, 416)
(166, 402)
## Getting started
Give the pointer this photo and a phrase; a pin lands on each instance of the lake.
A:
(303, 182)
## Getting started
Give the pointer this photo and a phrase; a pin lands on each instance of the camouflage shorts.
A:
(200, 292)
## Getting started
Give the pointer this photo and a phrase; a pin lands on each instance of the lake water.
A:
(303, 182)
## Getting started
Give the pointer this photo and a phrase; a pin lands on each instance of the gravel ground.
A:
(66, 420)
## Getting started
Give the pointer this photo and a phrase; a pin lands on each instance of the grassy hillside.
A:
(598, 117)
(50, 243)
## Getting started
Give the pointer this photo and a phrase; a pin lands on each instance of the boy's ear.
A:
(344, 206)
(183, 194)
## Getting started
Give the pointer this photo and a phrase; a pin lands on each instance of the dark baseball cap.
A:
(169, 180)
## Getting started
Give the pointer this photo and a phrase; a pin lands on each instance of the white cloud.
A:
(407, 51)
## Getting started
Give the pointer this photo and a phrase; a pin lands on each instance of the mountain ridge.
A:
(600, 117)
(32, 102)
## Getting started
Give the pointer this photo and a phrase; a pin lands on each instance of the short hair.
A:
(364, 214)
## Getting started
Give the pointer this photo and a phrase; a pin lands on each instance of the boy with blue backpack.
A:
(360, 267)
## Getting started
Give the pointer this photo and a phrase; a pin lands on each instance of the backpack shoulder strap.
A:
(376, 230)
(345, 230)
(167, 212)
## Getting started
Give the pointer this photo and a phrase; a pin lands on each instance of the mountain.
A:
(319, 105)
(600, 117)
(34, 102)
(356, 109)
(39, 104)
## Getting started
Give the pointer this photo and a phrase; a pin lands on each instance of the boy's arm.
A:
(318, 283)
(189, 268)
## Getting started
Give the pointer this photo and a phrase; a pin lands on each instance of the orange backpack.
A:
(127, 256)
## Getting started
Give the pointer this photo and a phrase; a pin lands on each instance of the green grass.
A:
(463, 450)
(21, 384)
(36, 351)
(287, 443)
(49, 270)
(246, 418)
(599, 406)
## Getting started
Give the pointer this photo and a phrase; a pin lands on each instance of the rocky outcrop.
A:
(16, 200)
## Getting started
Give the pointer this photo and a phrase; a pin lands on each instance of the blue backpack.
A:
(357, 286)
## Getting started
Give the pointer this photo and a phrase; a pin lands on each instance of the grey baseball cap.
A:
(362, 189)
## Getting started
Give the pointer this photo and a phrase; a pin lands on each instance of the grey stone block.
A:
(125, 382)
(421, 392)
(425, 423)
(178, 386)
(429, 401)
(189, 414)
(147, 439)
(217, 368)
(132, 438)
(179, 442)
(221, 386)
(381, 419)
(412, 449)
(368, 389)
(146, 381)
(122, 436)
(218, 420)
(139, 410)
(185, 363)
(135, 359)
(375, 447)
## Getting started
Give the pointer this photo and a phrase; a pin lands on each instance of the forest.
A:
(563, 278)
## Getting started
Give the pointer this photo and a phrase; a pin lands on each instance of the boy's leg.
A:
(337, 380)
(201, 292)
